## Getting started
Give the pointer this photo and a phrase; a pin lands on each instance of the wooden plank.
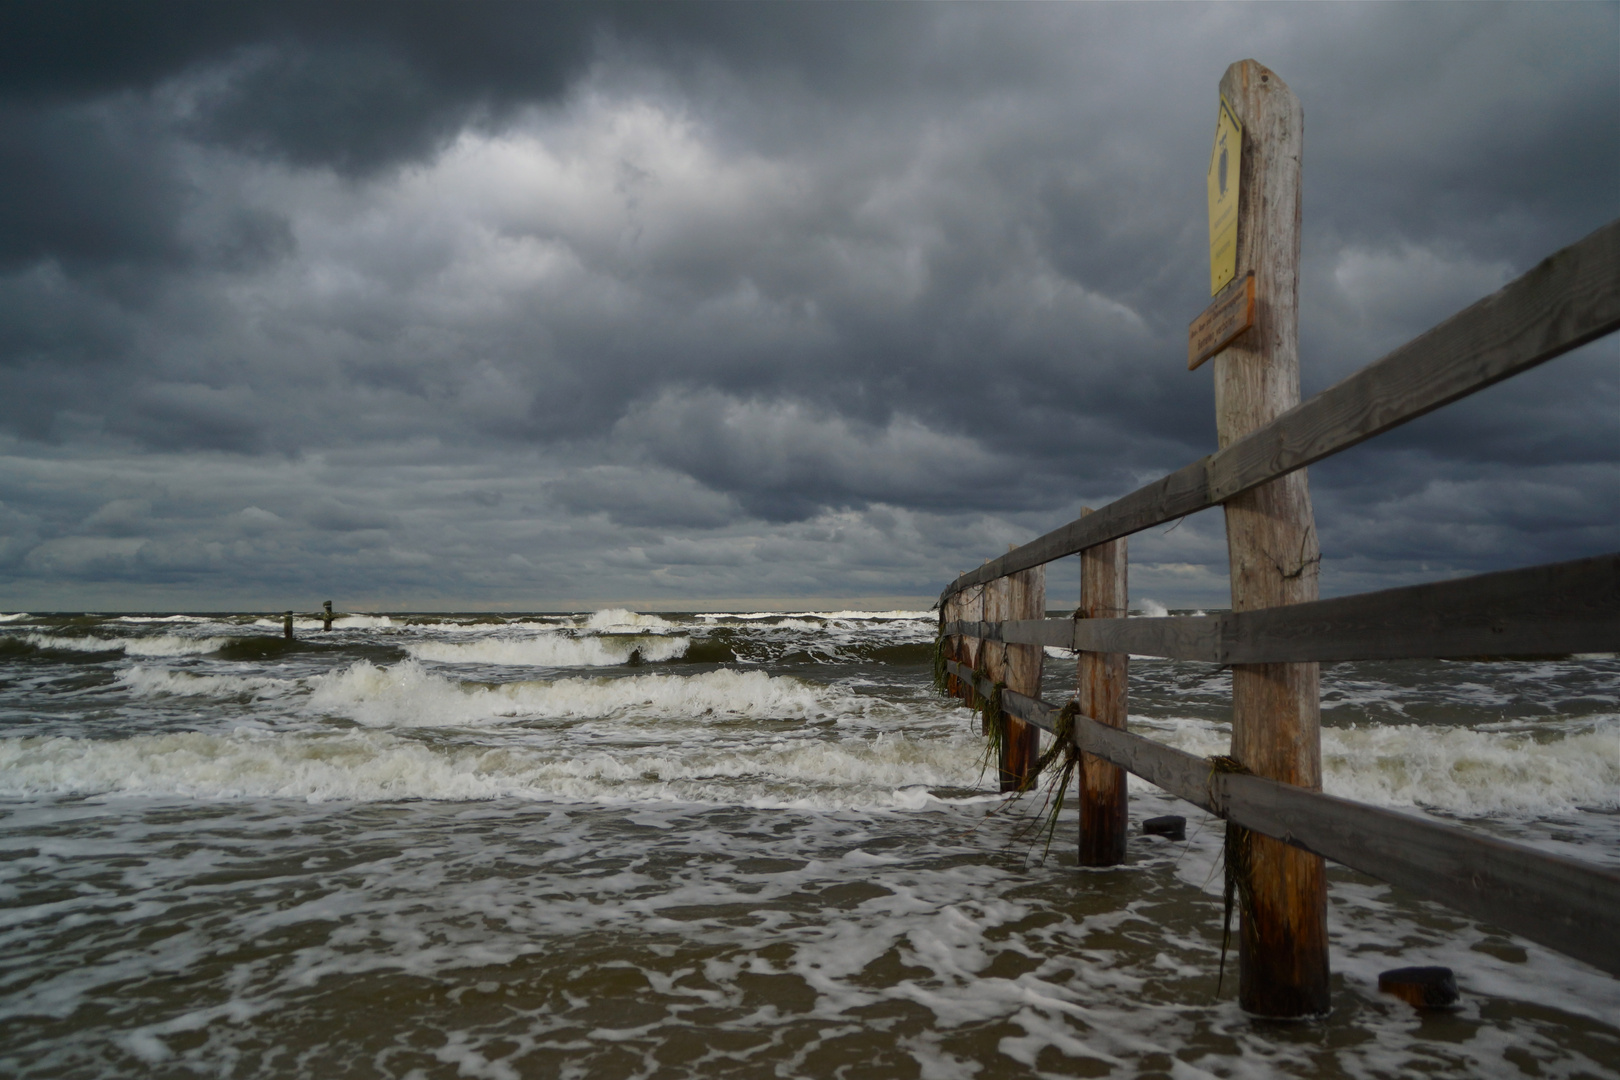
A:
(1219, 325)
(1562, 903)
(1569, 299)
(1568, 607)
(1547, 610)
(1102, 689)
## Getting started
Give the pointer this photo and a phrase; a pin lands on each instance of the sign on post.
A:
(1222, 322)
(1224, 162)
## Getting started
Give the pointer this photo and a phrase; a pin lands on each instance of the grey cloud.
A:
(120, 517)
(333, 516)
(559, 301)
(643, 497)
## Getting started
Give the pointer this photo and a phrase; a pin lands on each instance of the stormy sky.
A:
(460, 306)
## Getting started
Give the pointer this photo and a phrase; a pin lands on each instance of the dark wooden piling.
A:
(286, 626)
(1023, 663)
(1103, 679)
(326, 615)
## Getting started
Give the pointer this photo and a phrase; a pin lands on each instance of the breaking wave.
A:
(1454, 769)
(159, 645)
(408, 695)
(554, 650)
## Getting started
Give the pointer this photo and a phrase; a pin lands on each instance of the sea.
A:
(617, 844)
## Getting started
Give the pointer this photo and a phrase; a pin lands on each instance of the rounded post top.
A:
(1251, 82)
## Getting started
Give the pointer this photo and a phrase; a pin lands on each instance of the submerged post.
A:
(1272, 548)
(286, 626)
(326, 615)
(1026, 600)
(1103, 680)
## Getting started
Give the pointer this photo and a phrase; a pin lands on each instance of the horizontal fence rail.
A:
(1571, 298)
(1565, 904)
(1554, 609)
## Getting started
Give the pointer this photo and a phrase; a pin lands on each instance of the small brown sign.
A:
(1221, 323)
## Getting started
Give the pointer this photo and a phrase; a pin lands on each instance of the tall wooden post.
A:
(1272, 547)
(1026, 600)
(1103, 681)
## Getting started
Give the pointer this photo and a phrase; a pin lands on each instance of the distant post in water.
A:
(286, 626)
(1272, 544)
(1104, 677)
(326, 615)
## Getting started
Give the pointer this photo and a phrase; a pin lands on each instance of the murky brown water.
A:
(441, 849)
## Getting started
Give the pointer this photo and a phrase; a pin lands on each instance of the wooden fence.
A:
(993, 630)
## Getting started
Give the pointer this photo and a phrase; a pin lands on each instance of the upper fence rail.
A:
(1570, 298)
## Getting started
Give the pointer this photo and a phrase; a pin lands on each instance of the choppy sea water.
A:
(624, 845)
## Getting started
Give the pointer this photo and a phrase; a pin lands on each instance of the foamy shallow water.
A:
(618, 844)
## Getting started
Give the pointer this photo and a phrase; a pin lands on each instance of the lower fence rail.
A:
(1565, 904)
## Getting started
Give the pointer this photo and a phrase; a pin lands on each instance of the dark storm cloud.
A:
(460, 301)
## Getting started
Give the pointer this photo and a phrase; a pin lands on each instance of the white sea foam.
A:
(881, 773)
(621, 619)
(552, 650)
(158, 645)
(896, 615)
(340, 622)
(826, 616)
(1455, 769)
(408, 695)
(14, 616)
(162, 619)
(362, 622)
(1475, 772)
(150, 681)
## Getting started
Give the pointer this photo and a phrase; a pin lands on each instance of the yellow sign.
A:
(1224, 162)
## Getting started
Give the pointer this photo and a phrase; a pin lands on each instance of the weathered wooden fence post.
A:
(993, 654)
(1272, 547)
(969, 608)
(1103, 680)
(1026, 600)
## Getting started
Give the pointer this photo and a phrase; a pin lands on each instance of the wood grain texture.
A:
(993, 654)
(1564, 904)
(1231, 314)
(1026, 599)
(1273, 554)
(1570, 298)
(1102, 686)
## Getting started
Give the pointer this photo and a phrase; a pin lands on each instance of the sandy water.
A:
(617, 845)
